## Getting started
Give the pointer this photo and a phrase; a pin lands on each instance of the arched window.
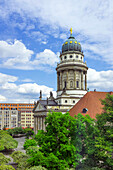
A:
(71, 83)
(65, 84)
(65, 57)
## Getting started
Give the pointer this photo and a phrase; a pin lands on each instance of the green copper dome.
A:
(71, 45)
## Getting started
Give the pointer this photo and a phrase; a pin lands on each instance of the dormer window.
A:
(84, 110)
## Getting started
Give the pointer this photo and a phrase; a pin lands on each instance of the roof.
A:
(71, 44)
(48, 103)
(91, 103)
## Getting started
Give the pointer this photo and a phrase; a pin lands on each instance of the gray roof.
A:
(50, 103)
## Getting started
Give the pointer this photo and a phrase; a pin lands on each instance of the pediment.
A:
(39, 107)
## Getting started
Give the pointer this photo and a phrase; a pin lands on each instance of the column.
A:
(44, 127)
(85, 80)
(82, 81)
(41, 123)
(35, 125)
(58, 83)
(75, 79)
(67, 83)
(38, 123)
(61, 80)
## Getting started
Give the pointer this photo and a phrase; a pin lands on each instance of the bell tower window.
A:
(65, 84)
(77, 82)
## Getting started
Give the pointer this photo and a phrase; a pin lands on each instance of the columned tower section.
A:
(71, 73)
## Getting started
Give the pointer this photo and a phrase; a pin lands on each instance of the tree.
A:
(29, 142)
(20, 158)
(29, 132)
(6, 141)
(55, 147)
(104, 142)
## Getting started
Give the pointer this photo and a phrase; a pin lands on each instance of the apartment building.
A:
(10, 115)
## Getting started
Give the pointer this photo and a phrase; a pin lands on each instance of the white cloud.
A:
(23, 92)
(7, 78)
(16, 55)
(2, 98)
(27, 80)
(100, 80)
(92, 19)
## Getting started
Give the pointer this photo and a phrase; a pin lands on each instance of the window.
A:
(71, 84)
(77, 84)
(61, 58)
(65, 57)
(65, 84)
(71, 56)
(76, 56)
(81, 58)
(84, 110)
(65, 101)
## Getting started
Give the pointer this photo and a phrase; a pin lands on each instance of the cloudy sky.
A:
(31, 37)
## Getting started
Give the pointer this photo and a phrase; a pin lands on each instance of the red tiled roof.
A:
(91, 101)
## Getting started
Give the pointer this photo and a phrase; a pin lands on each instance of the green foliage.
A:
(37, 168)
(29, 142)
(104, 142)
(20, 158)
(3, 159)
(16, 130)
(6, 141)
(55, 143)
(29, 132)
(31, 150)
(6, 167)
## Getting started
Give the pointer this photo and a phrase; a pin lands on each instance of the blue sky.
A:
(31, 38)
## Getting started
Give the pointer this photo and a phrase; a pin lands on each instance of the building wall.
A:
(10, 114)
(27, 119)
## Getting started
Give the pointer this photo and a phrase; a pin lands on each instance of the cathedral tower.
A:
(71, 73)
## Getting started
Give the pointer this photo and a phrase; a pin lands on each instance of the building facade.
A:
(71, 83)
(10, 114)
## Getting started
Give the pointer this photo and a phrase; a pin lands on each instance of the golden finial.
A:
(71, 31)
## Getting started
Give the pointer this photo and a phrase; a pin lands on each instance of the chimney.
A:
(40, 98)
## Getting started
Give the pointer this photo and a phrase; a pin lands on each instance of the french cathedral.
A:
(71, 83)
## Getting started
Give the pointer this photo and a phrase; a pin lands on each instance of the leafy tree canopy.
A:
(3, 159)
(6, 141)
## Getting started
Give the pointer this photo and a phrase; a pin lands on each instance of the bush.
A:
(3, 159)
(15, 131)
(6, 167)
(29, 142)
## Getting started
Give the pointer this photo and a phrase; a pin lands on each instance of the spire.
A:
(70, 31)
(40, 95)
